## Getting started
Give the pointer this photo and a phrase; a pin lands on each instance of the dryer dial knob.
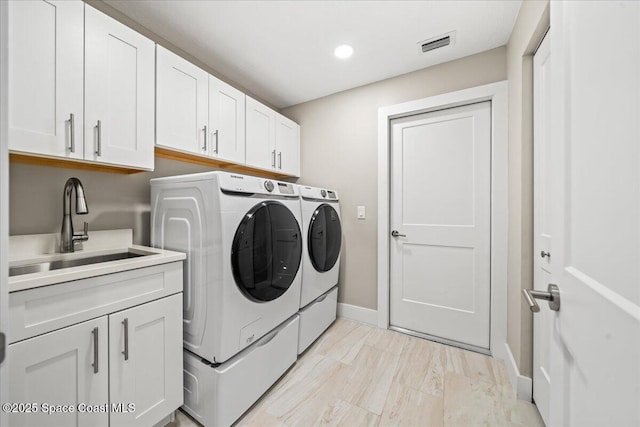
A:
(269, 186)
(323, 193)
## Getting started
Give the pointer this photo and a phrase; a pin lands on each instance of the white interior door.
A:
(542, 245)
(595, 349)
(441, 207)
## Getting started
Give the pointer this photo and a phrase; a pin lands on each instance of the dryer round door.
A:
(266, 251)
(324, 238)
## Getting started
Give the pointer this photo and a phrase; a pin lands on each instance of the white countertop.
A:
(40, 248)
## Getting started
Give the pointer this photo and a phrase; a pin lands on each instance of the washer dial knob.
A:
(323, 193)
(269, 186)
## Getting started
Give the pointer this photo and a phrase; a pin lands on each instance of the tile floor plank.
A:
(406, 405)
(358, 375)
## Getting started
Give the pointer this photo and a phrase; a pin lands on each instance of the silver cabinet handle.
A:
(552, 295)
(125, 322)
(280, 160)
(395, 233)
(216, 134)
(544, 254)
(72, 133)
(273, 160)
(205, 138)
(99, 139)
(95, 350)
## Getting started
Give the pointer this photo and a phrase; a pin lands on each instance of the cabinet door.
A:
(46, 77)
(287, 146)
(260, 145)
(65, 367)
(226, 121)
(119, 93)
(145, 361)
(182, 106)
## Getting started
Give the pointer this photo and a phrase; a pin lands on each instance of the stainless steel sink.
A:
(57, 265)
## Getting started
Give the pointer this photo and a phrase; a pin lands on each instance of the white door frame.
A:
(497, 94)
(4, 202)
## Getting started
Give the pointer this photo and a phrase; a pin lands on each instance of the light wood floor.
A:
(357, 375)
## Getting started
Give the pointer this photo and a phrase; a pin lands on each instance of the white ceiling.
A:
(282, 51)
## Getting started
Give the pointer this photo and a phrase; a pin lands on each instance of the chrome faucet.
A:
(68, 238)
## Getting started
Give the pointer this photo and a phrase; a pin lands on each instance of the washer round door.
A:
(266, 251)
(324, 238)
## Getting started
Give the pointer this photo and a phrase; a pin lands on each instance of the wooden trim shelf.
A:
(33, 159)
(167, 153)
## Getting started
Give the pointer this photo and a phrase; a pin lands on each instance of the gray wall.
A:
(339, 150)
(115, 200)
(530, 26)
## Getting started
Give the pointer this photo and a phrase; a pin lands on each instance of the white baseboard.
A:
(359, 314)
(523, 385)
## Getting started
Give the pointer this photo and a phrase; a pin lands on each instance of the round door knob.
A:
(544, 254)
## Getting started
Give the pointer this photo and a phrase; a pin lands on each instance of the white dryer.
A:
(322, 240)
(244, 248)
(242, 282)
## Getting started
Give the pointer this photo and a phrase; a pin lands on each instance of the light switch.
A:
(361, 212)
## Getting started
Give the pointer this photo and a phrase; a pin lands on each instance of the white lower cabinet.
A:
(145, 361)
(116, 370)
(65, 367)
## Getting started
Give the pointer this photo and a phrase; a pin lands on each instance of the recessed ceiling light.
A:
(343, 51)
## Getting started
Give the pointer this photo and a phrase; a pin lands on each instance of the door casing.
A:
(4, 204)
(497, 94)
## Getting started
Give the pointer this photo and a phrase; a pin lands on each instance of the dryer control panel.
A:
(250, 184)
(314, 193)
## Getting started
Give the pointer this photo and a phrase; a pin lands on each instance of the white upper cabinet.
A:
(226, 121)
(81, 85)
(119, 93)
(182, 108)
(287, 145)
(273, 141)
(261, 135)
(46, 77)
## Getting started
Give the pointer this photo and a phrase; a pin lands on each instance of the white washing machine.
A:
(322, 240)
(242, 281)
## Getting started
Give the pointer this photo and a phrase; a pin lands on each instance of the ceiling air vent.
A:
(426, 47)
(437, 42)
